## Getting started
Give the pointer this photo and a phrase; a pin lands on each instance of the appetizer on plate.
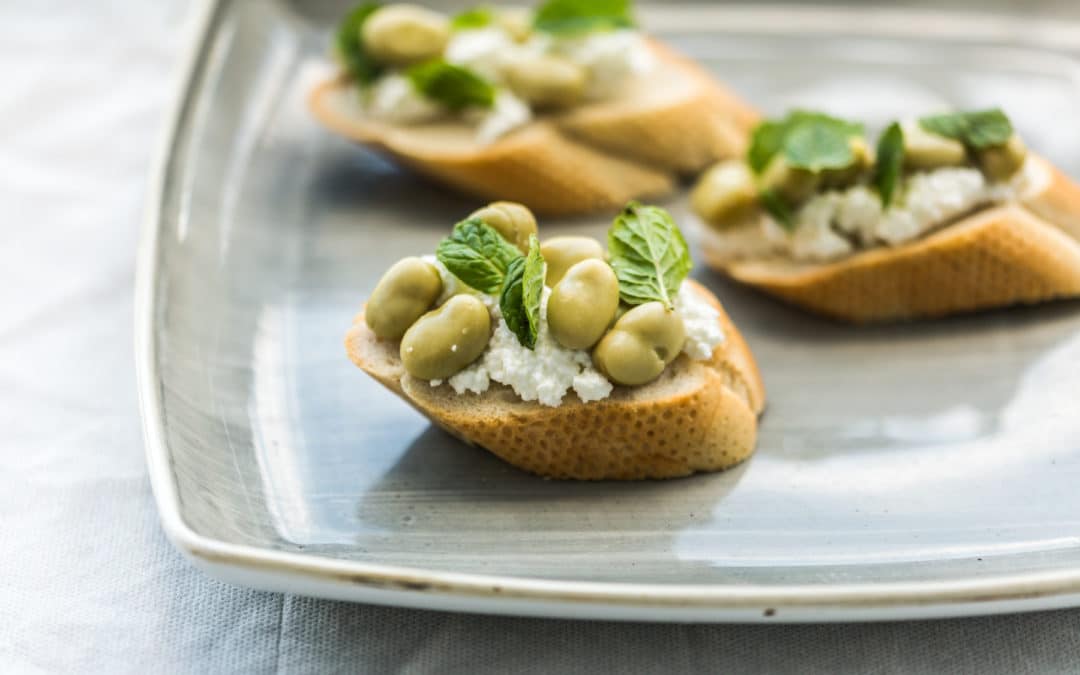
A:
(562, 358)
(567, 109)
(950, 214)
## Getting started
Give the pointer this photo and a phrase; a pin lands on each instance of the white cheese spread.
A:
(508, 113)
(450, 284)
(544, 373)
(483, 50)
(702, 323)
(394, 99)
(835, 224)
(549, 371)
(611, 59)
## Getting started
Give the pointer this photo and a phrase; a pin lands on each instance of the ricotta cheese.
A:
(610, 58)
(836, 224)
(482, 50)
(545, 373)
(550, 371)
(394, 99)
(508, 113)
(702, 323)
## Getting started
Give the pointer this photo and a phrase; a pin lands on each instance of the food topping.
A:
(349, 48)
(546, 81)
(820, 193)
(977, 130)
(488, 67)
(562, 253)
(446, 339)
(648, 254)
(578, 17)
(641, 344)
(924, 150)
(481, 311)
(513, 221)
(478, 255)
(519, 300)
(401, 35)
(583, 304)
(452, 86)
(727, 191)
(407, 290)
(1001, 162)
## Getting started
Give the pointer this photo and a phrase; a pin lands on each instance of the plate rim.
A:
(419, 587)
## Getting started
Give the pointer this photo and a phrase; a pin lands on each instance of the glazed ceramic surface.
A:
(917, 470)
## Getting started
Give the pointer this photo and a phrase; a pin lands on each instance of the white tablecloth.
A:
(88, 582)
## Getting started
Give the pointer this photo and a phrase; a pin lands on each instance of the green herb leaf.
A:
(477, 17)
(453, 86)
(808, 140)
(816, 147)
(890, 162)
(477, 254)
(519, 300)
(778, 208)
(575, 17)
(648, 254)
(349, 45)
(766, 143)
(976, 130)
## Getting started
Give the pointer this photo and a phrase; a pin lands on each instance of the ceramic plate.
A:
(904, 471)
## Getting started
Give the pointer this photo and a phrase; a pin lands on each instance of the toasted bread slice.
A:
(595, 157)
(1022, 252)
(679, 119)
(698, 416)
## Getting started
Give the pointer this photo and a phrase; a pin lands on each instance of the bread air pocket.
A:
(561, 357)
(568, 109)
(945, 214)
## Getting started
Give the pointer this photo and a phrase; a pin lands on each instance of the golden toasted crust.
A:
(698, 416)
(681, 133)
(594, 158)
(997, 257)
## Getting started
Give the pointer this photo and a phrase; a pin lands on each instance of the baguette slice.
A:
(1021, 252)
(596, 157)
(698, 416)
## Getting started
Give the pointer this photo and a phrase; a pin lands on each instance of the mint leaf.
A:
(519, 300)
(575, 17)
(350, 45)
(777, 208)
(535, 271)
(477, 254)
(648, 254)
(808, 140)
(890, 162)
(477, 17)
(976, 130)
(766, 143)
(453, 86)
(818, 146)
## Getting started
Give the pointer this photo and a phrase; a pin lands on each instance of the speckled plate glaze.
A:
(906, 471)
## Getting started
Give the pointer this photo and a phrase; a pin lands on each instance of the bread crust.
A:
(698, 416)
(1022, 252)
(596, 157)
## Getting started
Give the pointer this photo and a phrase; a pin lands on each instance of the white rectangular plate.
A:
(903, 471)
